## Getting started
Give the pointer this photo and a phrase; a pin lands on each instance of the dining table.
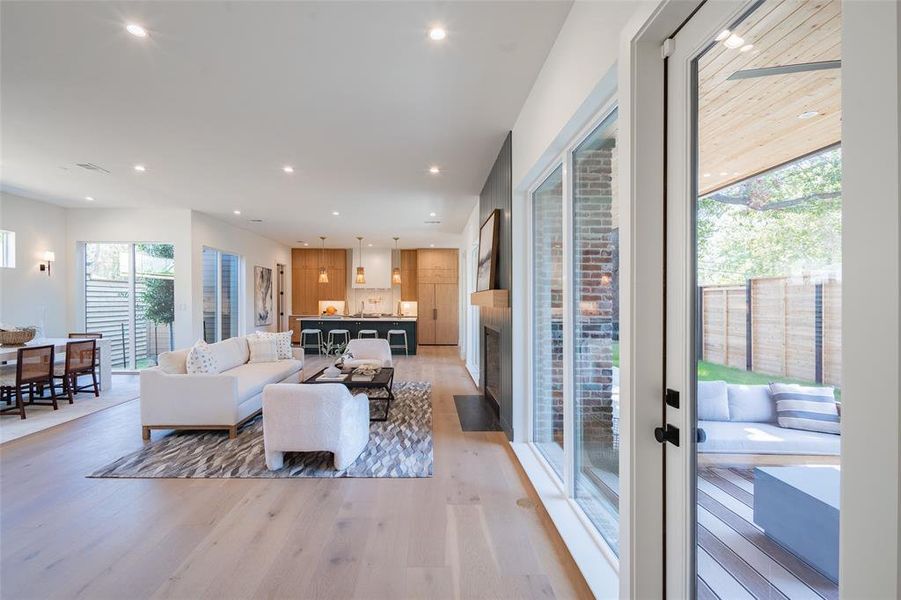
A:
(8, 354)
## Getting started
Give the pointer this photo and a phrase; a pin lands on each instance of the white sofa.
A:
(741, 419)
(310, 418)
(173, 399)
(369, 351)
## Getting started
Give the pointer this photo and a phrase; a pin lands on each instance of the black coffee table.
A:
(383, 380)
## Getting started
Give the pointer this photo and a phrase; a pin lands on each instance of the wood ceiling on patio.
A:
(747, 126)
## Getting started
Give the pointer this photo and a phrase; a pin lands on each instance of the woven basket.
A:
(16, 338)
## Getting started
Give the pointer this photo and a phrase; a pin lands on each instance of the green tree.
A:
(158, 295)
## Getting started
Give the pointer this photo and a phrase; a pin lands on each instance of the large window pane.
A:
(155, 301)
(547, 261)
(229, 296)
(596, 329)
(210, 298)
(221, 285)
(108, 298)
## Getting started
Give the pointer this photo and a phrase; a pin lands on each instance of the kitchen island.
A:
(380, 324)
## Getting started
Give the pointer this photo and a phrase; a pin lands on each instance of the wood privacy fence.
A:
(788, 327)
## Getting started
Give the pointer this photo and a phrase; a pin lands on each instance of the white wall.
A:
(168, 226)
(870, 557)
(254, 249)
(28, 296)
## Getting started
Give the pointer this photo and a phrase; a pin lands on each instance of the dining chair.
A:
(80, 360)
(34, 367)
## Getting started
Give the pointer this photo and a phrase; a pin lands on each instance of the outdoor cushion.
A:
(252, 377)
(229, 353)
(765, 438)
(803, 407)
(713, 401)
(751, 404)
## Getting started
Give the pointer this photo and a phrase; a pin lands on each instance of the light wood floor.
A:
(474, 530)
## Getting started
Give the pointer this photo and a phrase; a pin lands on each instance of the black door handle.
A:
(669, 434)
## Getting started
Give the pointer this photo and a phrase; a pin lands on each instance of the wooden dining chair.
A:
(34, 367)
(80, 360)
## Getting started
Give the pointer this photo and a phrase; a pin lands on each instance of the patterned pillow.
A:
(262, 348)
(282, 340)
(200, 359)
(808, 408)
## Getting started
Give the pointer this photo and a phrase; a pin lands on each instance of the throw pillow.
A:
(713, 401)
(200, 360)
(262, 349)
(808, 408)
(283, 342)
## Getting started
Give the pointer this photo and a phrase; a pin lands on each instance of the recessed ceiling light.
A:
(335, 212)
(370, 245)
(746, 47)
(808, 115)
(306, 243)
(706, 174)
(434, 170)
(431, 214)
(89, 198)
(723, 173)
(136, 30)
(723, 35)
(431, 245)
(733, 42)
(288, 169)
(140, 168)
(437, 33)
(237, 212)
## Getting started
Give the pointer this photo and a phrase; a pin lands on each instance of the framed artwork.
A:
(488, 240)
(262, 296)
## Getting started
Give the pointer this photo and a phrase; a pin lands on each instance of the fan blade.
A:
(786, 69)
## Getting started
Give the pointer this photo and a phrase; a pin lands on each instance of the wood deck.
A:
(735, 559)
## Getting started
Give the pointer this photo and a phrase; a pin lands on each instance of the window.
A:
(221, 283)
(129, 297)
(575, 331)
(7, 249)
(595, 301)
(547, 277)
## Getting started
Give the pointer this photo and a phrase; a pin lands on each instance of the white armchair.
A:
(314, 417)
(369, 351)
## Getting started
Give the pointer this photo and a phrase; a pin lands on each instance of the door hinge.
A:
(667, 48)
(668, 434)
(671, 397)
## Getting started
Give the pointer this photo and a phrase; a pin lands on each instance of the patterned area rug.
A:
(398, 447)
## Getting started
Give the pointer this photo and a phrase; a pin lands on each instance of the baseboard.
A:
(473, 373)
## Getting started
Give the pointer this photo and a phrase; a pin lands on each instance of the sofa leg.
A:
(275, 460)
(145, 433)
(232, 432)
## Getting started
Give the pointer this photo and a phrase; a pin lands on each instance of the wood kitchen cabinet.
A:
(438, 296)
(306, 291)
(409, 285)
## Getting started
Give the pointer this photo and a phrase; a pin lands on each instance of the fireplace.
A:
(491, 366)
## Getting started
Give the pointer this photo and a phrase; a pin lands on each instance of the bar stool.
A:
(402, 332)
(314, 332)
(344, 334)
(364, 333)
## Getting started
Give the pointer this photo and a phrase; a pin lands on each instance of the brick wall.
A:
(595, 286)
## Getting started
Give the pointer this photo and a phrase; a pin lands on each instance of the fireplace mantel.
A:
(490, 298)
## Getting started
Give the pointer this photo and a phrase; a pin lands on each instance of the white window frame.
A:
(563, 489)
(7, 249)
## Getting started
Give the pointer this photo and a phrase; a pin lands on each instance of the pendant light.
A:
(395, 273)
(361, 273)
(323, 274)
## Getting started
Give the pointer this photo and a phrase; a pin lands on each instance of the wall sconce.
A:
(47, 258)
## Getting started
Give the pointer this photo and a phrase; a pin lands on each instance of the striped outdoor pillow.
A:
(808, 408)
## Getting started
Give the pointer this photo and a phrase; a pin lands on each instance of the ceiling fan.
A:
(786, 69)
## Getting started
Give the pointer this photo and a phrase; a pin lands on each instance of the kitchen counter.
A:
(352, 318)
(381, 325)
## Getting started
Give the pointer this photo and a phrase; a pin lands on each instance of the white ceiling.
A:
(221, 95)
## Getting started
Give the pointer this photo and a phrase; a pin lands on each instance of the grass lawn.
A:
(713, 372)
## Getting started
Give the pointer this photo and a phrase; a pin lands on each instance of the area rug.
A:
(399, 447)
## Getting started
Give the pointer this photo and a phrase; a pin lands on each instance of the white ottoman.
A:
(311, 418)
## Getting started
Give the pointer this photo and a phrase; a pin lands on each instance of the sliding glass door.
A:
(129, 297)
(221, 285)
(575, 332)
